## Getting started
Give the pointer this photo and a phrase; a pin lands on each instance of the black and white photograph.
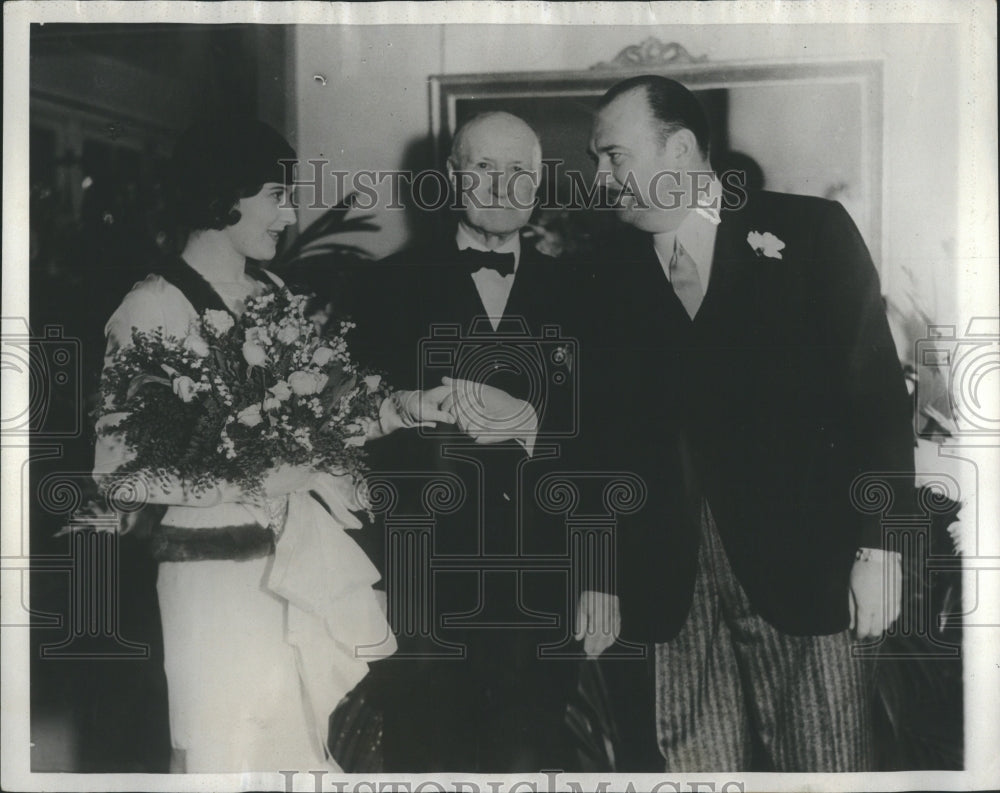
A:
(500, 396)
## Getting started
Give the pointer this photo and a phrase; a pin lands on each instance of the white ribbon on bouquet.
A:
(334, 617)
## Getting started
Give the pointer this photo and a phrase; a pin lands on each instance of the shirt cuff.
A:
(876, 555)
(530, 434)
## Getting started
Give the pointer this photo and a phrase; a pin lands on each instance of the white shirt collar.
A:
(464, 239)
(696, 234)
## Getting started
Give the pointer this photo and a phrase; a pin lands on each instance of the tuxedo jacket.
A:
(419, 318)
(782, 391)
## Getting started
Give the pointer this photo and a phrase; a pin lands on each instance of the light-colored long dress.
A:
(257, 653)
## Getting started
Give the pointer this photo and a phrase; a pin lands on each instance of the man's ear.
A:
(682, 147)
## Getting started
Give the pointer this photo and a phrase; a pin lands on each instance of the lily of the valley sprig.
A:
(765, 244)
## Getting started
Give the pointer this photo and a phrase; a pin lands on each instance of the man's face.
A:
(495, 174)
(642, 173)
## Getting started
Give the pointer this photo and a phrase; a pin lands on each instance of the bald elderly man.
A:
(469, 689)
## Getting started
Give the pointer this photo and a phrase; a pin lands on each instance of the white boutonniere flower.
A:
(765, 244)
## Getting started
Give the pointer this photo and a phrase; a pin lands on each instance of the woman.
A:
(263, 600)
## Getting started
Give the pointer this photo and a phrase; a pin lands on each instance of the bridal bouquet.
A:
(235, 398)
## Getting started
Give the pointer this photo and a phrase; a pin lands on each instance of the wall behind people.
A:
(370, 110)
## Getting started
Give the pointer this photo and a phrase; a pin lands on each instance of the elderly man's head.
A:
(494, 167)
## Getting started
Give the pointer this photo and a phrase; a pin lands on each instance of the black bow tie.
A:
(475, 260)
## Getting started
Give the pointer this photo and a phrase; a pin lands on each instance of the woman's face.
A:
(262, 219)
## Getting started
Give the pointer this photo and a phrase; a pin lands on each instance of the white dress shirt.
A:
(696, 235)
(494, 289)
(494, 292)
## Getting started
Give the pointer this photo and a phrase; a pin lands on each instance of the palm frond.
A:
(332, 249)
(319, 238)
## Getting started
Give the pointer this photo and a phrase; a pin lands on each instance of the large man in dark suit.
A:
(488, 312)
(749, 341)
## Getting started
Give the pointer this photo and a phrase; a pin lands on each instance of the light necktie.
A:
(685, 280)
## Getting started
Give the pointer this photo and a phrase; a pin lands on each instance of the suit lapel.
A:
(527, 289)
(731, 267)
(455, 291)
(656, 286)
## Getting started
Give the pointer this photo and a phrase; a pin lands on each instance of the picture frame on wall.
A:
(811, 127)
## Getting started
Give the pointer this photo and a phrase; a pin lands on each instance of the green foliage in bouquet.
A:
(235, 398)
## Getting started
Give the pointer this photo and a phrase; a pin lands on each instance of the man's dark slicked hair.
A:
(670, 103)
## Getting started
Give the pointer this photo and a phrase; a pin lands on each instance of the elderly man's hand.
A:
(405, 409)
(489, 415)
(423, 408)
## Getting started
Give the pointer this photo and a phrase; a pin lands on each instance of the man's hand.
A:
(423, 408)
(405, 409)
(876, 592)
(598, 622)
(487, 414)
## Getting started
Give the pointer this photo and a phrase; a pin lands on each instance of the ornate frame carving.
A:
(452, 95)
(650, 53)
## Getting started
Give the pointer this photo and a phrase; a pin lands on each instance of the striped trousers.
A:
(735, 694)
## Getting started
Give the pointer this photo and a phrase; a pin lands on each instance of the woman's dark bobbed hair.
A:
(217, 162)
